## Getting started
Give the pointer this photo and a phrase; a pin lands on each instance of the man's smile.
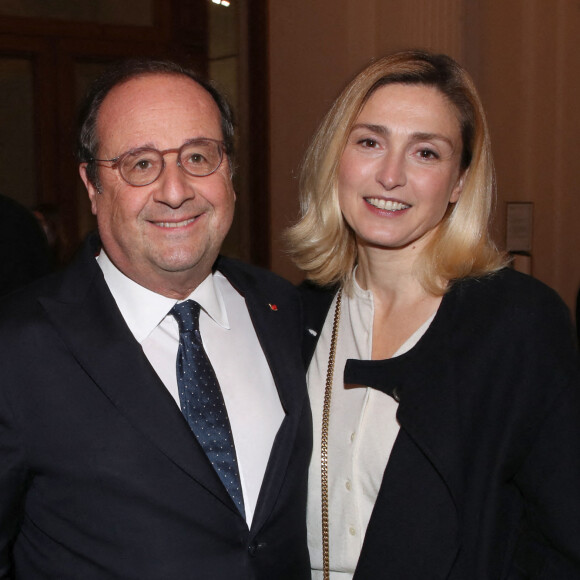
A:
(175, 224)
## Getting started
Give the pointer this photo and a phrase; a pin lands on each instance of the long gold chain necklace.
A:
(324, 439)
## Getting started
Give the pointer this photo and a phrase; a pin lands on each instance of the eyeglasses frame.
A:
(116, 161)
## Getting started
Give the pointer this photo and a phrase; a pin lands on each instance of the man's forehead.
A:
(156, 100)
(143, 89)
(158, 79)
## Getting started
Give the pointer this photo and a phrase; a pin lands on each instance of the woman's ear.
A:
(456, 193)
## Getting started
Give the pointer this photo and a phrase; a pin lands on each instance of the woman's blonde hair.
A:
(324, 246)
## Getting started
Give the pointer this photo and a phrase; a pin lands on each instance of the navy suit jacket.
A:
(100, 475)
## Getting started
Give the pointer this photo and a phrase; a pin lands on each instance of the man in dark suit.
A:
(102, 476)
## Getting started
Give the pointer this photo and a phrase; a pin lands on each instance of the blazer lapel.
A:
(89, 322)
(417, 509)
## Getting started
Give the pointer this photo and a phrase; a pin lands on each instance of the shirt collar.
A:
(144, 309)
(357, 290)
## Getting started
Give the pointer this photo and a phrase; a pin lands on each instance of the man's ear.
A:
(91, 189)
(456, 193)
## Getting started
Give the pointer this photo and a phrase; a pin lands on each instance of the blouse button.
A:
(348, 485)
(352, 437)
(352, 531)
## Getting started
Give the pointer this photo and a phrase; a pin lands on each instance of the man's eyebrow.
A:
(151, 145)
(148, 145)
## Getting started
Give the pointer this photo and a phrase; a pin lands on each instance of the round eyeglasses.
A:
(143, 166)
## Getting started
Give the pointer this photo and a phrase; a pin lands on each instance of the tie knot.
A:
(187, 315)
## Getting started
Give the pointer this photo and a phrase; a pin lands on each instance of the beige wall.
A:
(528, 75)
(524, 58)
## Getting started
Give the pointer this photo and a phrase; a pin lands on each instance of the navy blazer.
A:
(483, 481)
(100, 475)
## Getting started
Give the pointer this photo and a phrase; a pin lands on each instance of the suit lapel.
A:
(89, 322)
(278, 331)
(316, 301)
(273, 340)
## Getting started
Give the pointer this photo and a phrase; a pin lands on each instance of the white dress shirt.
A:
(362, 432)
(230, 341)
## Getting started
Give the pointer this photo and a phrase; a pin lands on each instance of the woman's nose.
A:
(391, 170)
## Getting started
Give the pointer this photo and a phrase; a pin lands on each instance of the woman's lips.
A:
(386, 204)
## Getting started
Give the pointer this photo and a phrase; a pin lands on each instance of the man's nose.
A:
(174, 186)
(391, 170)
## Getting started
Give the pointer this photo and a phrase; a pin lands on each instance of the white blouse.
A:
(362, 431)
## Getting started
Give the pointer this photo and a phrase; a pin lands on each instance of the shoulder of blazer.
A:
(511, 300)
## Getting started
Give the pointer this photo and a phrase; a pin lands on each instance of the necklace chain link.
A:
(324, 439)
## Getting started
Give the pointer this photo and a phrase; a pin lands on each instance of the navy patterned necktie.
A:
(202, 402)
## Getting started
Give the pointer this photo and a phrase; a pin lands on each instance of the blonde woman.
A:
(444, 386)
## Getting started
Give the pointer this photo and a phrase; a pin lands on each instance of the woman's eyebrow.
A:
(380, 129)
(420, 136)
(417, 136)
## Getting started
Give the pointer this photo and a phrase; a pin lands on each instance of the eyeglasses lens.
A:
(144, 166)
(200, 158)
(141, 167)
